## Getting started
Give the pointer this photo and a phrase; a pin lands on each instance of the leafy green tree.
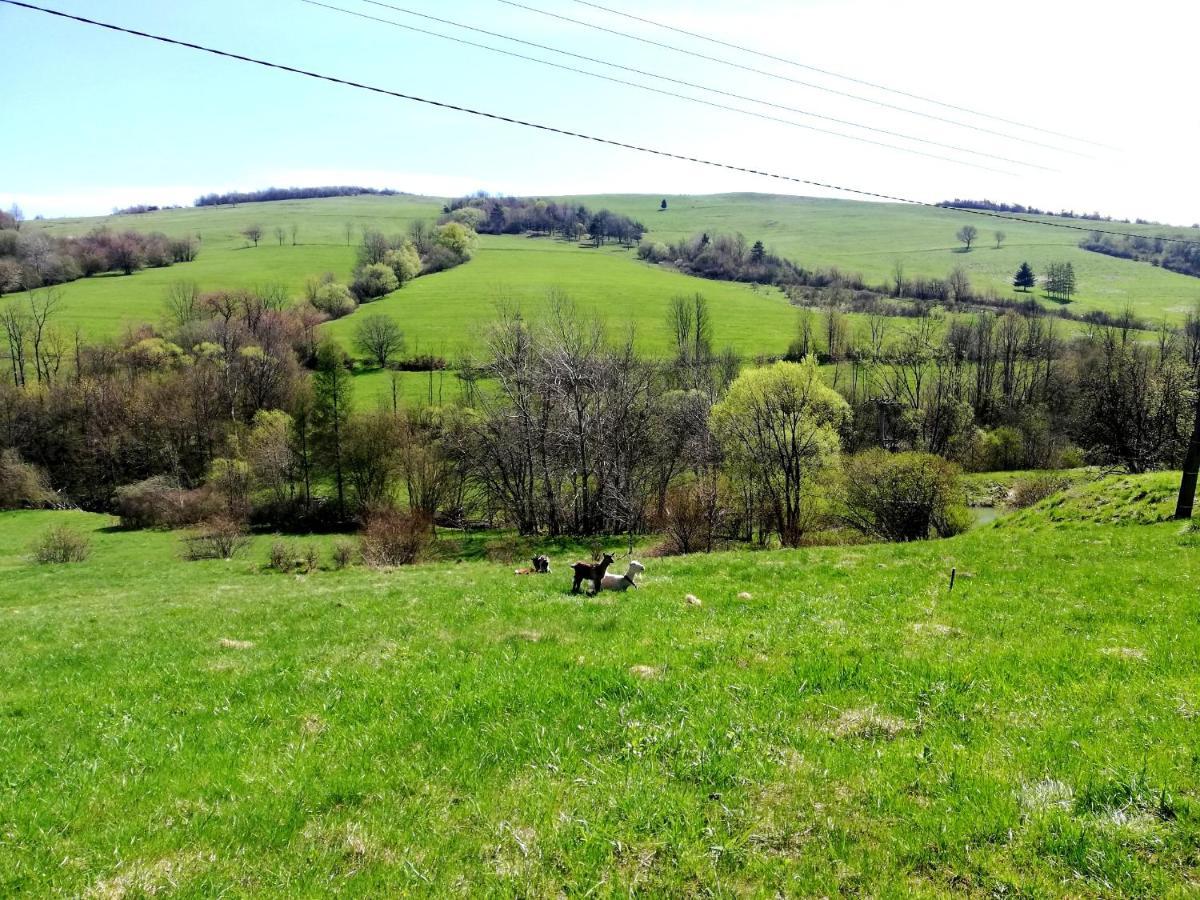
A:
(379, 337)
(333, 396)
(405, 262)
(778, 426)
(458, 238)
(374, 281)
(1025, 278)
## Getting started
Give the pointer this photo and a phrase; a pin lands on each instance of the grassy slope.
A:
(853, 727)
(864, 237)
(871, 237)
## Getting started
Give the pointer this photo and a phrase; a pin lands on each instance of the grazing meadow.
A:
(827, 720)
(444, 310)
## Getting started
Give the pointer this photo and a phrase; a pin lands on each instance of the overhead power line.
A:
(778, 76)
(666, 154)
(678, 96)
(832, 74)
(648, 74)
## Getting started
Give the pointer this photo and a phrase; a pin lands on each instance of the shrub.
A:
(343, 554)
(333, 299)
(310, 558)
(691, 518)
(373, 281)
(1034, 489)
(22, 485)
(218, 538)
(394, 538)
(160, 502)
(281, 556)
(62, 544)
(903, 496)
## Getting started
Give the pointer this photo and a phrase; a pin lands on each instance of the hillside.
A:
(828, 721)
(854, 236)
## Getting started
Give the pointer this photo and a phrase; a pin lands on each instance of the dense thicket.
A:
(32, 259)
(522, 215)
(1177, 257)
(290, 193)
(232, 409)
(1020, 209)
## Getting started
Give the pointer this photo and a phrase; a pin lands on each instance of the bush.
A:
(903, 496)
(691, 518)
(373, 281)
(1034, 489)
(281, 557)
(218, 538)
(22, 485)
(394, 538)
(160, 502)
(333, 299)
(62, 544)
(343, 554)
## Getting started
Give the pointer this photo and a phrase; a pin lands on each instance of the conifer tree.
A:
(1024, 279)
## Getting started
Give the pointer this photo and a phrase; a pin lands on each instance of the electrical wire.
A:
(668, 78)
(832, 74)
(666, 154)
(666, 93)
(776, 75)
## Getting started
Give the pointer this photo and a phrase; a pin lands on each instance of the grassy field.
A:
(871, 237)
(865, 237)
(828, 721)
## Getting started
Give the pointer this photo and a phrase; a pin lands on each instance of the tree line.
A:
(290, 193)
(30, 260)
(521, 215)
(233, 407)
(1177, 257)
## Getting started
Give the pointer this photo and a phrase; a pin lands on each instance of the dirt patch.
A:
(1125, 653)
(142, 879)
(231, 644)
(936, 629)
(647, 672)
(869, 724)
(1046, 794)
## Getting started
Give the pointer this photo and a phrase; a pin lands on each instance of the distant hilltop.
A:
(291, 193)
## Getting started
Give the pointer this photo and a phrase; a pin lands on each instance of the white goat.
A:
(623, 582)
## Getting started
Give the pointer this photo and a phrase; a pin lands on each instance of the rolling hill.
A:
(444, 311)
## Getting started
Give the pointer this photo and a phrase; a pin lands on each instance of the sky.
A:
(98, 119)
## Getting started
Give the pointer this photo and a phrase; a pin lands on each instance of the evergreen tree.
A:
(1024, 279)
(333, 392)
(664, 204)
(758, 251)
(1068, 281)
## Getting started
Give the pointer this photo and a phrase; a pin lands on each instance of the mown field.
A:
(850, 726)
(445, 310)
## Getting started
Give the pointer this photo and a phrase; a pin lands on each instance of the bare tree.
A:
(967, 235)
(1000, 237)
(15, 322)
(348, 228)
(253, 233)
(182, 303)
(280, 234)
(294, 229)
(380, 338)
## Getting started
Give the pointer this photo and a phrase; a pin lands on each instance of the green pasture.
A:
(446, 310)
(827, 722)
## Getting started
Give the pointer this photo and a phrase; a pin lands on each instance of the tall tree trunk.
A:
(1191, 466)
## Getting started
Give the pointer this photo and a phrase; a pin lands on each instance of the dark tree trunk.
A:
(1191, 466)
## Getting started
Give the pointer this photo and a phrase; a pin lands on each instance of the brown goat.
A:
(593, 572)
